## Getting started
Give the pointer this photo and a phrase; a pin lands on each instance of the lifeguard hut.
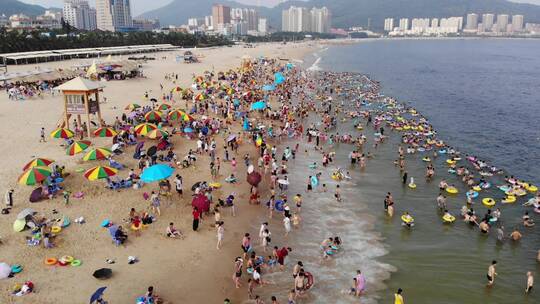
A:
(81, 97)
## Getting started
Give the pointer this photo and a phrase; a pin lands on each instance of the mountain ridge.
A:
(11, 7)
(347, 13)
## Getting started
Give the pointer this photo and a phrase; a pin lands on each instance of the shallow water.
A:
(451, 82)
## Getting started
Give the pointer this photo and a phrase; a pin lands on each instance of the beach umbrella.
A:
(188, 130)
(176, 114)
(97, 294)
(34, 175)
(200, 96)
(164, 107)
(156, 173)
(254, 178)
(98, 153)
(199, 79)
(231, 137)
(279, 78)
(177, 90)
(102, 273)
(268, 87)
(5, 270)
(144, 128)
(157, 133)
(78, 147)
(105, 132)
(201, 202)
(62, 133)
(26, 212)
(259, 105)
(98, 172)
(153, 116)
(38, 162)
(132, 106)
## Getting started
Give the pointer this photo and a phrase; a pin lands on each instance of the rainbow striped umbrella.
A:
(99, 172)
(199, 79)
(95, 154)
(230, 91)
(132, 106)
(38, 162)
(176, 114)
(105, 132)
(177, 90)
(164, 107)
(200, 96)
(157, 133)
(34, 175)
(62, 133)
(78, 147)
(153, 116)
(144, 128)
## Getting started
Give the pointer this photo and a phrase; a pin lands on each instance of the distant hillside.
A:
(10, 7)
(348, 13)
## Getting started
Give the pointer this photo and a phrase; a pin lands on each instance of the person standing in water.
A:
(491, 273)
(530, 282)
(398, 298)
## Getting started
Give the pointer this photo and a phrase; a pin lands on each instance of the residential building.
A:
(79, 14)
(246, 15)
(488, 21)
(533, 28)
(403, 24)
(472, 22)
(517, 23)
(502, 22)
(239, 28)
(320, 20)
(389, 24)
(296, 19)
(147, 25)
(209, 21)
(49, 20)
(113, 15)
(263, 26)
(20, 21)
(4, 20)
(221, 14)
(420, 25)
(435, 22)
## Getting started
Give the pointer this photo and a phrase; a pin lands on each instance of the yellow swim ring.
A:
(450, 161)
(477, 188)
(447, 218)
(426, 159)
(531, 188)
(488, 202)
(509, 199)
(407, 220)
(56, 229)
(67, 259)
(412, 186)
(452, 190)
(135, 228)
(215, 185)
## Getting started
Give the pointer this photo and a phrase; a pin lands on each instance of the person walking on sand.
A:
(178, 184)
(491, 273)
(238, 264)
(196, 218)
(9, 198)
(42, 135)
(530, 282)
(220, 235)
(398, 298)
(154, 199)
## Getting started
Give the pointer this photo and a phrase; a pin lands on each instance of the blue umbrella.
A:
(269, 87)
(290, 66)
(259, 105)
(279, 78)
(188, 130)
(97, 294)
(156, 173)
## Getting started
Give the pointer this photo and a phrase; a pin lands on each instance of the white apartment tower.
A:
(262, 26)
(388, 24)
(403, 24)
(113, 15)
(517, 23)
(301, 19)
(320, 20)
(488, 21)
(502, 22)
(79, 14)
(472, 22)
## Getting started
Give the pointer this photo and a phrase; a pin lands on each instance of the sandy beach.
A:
(182, 271)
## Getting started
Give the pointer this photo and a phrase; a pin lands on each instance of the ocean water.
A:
(481, 97)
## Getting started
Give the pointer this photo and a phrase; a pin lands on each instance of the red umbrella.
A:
(201, 202)
(254, 178)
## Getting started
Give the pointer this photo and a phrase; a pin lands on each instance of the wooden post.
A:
(98, 109)
(87, 114)
(66, 116)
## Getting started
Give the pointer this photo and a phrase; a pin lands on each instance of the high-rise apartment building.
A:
(435, 22)
(388, 24)
(488, 21)
(296, 19)
(517, 23)
(502, 22)
(472, 22)
(320, 20)
(79, 14)
(113, 15)
(403, 24)
(250, 16)
(221, 14)
(262, 26)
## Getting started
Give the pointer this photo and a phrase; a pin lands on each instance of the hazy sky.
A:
(140, 6)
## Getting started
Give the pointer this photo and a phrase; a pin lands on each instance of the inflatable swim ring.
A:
(426, 159)
(452, 190)
(76, 263)
(509, 199)
(16, 268)
(488, 202)
(504, 188)
(485, 185)
(412, 186)
(250, 270)
(451, 171)
(447, 218)
(215, 185)
(279, 206)
(310, 280)
(314, 181)
(334, 247)
(51, 261)
(407, 220)
(472, 194)
(531, 188)
(337, 176)
(421, 150)
(66, 259)
(56, 229)
(329, 252)
(135, 228)
(477, 188)
(313, 166)
(442, 151)
(450, 161)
